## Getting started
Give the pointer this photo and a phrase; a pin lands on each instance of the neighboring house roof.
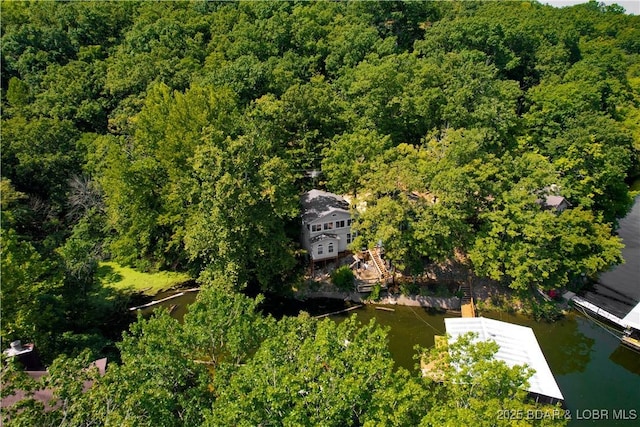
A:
(518, 346)
(323, 236)
(555, 202)
(46, 395)
(317, 204)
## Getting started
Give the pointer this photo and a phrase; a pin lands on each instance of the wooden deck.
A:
(631, 342)
(368, 286)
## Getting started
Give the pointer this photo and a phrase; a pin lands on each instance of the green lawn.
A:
(125, 278)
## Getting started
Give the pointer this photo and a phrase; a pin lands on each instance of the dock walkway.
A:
(467, 306)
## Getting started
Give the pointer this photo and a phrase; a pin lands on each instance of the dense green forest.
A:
(176, 136)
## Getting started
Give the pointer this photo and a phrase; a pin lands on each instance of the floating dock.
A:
(152, 303)
(517, 345)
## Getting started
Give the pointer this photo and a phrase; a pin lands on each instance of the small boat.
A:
(173, 308)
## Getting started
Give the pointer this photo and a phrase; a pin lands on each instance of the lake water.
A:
(618, 290)
(592, 369)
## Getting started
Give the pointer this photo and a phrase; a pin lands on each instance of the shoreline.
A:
(488, 297)
(443, 303)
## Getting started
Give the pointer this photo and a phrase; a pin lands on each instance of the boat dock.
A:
(584, 304)
(630, 323)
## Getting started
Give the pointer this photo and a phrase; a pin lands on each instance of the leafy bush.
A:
(545, 310)
(442, 290)
(375, 293)
(409, 288)
(424, 291)
(343, 278)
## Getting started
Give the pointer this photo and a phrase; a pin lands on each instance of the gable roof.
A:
(318, 203)
(518, 346)
(551, 201)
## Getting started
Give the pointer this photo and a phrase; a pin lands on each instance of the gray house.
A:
(326, 224)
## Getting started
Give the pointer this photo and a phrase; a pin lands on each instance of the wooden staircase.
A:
(366, 285)
(380, 266)
(467, 306)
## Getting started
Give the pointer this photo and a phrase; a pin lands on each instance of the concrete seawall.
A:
(452, 303)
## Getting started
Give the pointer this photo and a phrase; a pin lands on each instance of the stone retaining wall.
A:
(452, 303)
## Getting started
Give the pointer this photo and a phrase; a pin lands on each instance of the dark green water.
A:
(592, 370)
(407, 327)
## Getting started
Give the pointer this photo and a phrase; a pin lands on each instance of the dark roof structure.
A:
(46, 395)
(555, 202)
(324, 236)
(318, 203)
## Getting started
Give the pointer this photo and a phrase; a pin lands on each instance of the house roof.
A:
(318, 203)
(554, 201)
(517, 346)
(324, 236)
(46, 395)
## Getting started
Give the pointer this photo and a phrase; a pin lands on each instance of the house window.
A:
(348, 238)
(320, 249)
(349, 222)
(316, 228)
(330, 250)
(328, 225)
(340, 224)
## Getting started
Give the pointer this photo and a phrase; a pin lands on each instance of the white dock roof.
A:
(633, 318)
(518, 346)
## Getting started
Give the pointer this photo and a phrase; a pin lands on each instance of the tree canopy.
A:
(227, 364)
(178, 136)
(153, 104)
